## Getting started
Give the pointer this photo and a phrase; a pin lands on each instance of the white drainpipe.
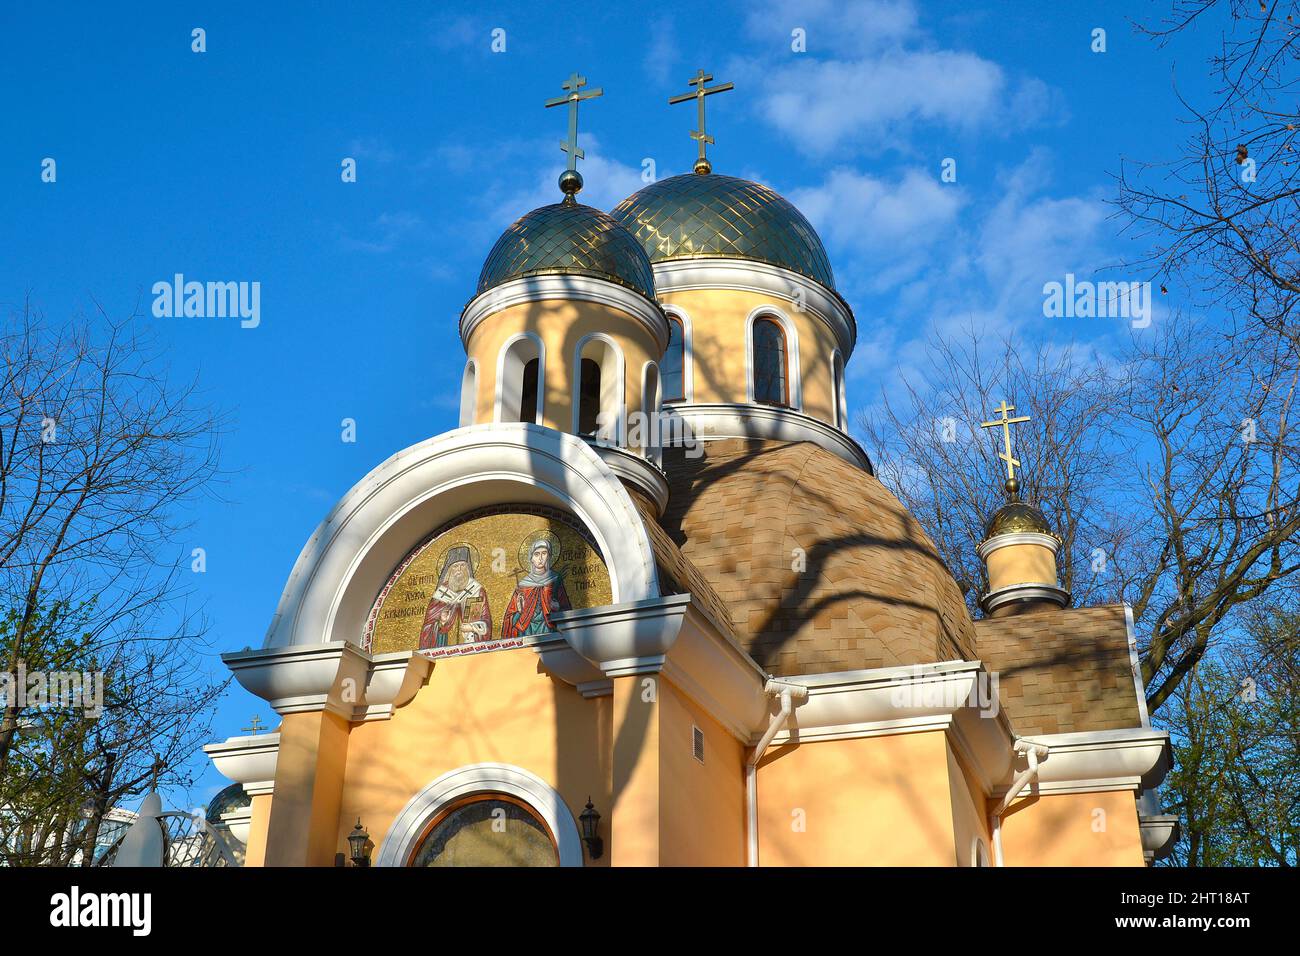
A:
(1033, 753)
(788, 693)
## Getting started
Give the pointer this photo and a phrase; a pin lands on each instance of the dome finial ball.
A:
(570, 184)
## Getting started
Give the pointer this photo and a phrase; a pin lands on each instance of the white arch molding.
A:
(346, 561)
(481, 778)
(795, 382)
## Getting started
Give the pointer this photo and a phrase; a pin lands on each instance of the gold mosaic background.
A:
(497, 542)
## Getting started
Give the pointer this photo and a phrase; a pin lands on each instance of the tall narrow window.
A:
(519, 380)
(528, 395)
(837, 395)
(589, 398)
(770, 373)
(674, 364)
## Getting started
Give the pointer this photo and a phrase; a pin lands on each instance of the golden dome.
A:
(568, 238)
(1016, 517)
(708, 215)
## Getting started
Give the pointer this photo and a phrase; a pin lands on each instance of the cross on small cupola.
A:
(1005, 423)
(254, 725)
(702, 164)
(571, 179)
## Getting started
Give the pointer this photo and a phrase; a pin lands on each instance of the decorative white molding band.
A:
(568, 288)
(631, 467)
(455, 785)
(1017, 537)
(714, 421)
(1014, 593)
(748, 275)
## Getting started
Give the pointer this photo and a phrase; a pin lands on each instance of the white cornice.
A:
(749, 275)
(1126, 759)
(1029, 591)
(637, 471)
(571, 288)
(336, 676)
(714, 421)
(249, 761)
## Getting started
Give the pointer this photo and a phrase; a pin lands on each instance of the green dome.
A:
(723, 217)
(232, 797)
(568, 239)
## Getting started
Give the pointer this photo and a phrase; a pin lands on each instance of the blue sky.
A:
(225, 165)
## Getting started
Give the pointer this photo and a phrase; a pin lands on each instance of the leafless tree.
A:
(100, 454)
(1223, 215)
(1170, 473)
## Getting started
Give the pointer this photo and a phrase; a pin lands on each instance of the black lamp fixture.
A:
(590, 821)
(358, 842)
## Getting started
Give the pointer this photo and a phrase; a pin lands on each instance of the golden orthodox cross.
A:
(573, 84)
(698, 81)
(1006, 423)
(254, 725)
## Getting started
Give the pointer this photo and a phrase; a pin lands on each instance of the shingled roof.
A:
(1061, 671)
(873, 591)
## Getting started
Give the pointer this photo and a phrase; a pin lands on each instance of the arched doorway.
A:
(487, 829)
(498, 814)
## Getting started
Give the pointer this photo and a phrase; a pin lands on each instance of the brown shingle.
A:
(874, 592)
(1062, 671)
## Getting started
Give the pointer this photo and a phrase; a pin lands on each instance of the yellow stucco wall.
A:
(308, 779)
(703, 804)
(255, 851)
(717, 328)
(561, 325)
(969, 812)
(495, 707)
(1021, 564)
(873, 801)
(1073, 829)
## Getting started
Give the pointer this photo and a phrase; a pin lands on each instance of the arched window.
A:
(837, 395)
(598, 392)
(979, 853)
(469, 394)
(647, 432)
(519, 380)
(771, 375)
(674, 364)
(488, 829)
(589, 399)
(528, 402)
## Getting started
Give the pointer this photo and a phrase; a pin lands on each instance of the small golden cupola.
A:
(564, 330)
(1019, 547)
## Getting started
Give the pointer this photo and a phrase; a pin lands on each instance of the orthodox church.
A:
(649, 605)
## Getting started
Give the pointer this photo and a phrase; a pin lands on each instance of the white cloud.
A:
(886, 228)
(871, 74)
(832, 25)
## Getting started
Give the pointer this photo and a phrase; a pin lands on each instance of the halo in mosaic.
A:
(723, 217)
(568, 239)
